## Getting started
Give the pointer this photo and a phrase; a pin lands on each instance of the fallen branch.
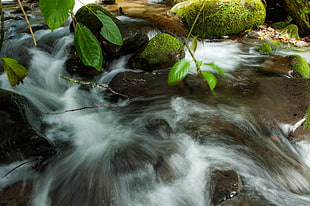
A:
(93, 84)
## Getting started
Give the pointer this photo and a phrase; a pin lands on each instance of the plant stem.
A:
(28, 23)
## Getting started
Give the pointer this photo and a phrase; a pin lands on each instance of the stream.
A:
(161, 150)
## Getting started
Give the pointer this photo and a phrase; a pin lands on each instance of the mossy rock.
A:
(265, 48)
(161, 52)
(300, 66)
(282, 24)
(86, 16)
(221, 17)
(290, 30)
(270, 46)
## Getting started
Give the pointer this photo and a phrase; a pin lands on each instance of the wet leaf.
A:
(178, 71)
(210, 79)
(216, 68)
(15, 71)
(56, 12)
(88, 47)
(109, 29)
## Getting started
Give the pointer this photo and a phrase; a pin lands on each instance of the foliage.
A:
(56, 12)
(109, 30)
(15, 71)
(181, 68)
(307, 122)
(299, 66)
(88, 47)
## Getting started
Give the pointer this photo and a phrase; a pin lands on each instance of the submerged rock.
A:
(225, 184)
(18, 139)
(161, 52)
(221, 17)
(18, 194)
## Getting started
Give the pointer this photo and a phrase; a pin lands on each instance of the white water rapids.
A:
(106, 156)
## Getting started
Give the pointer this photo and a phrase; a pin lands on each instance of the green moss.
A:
(265, 48)
(162, 51)
(223, 17)
(307, 122)
(282, 24)
(299, 66)
(86, 15)
(270, 46)
(290, 30)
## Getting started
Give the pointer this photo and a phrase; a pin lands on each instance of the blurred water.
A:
(122, 156)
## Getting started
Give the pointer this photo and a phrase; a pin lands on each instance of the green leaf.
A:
(178, 71)
(210, 79)
(194, 43)
(88, 47)
(109, 29)
(15, 71)
(216, 68)
(198, 64)
(56, 12)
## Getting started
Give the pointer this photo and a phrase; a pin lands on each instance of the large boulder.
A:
(221, 17)
(162, 52)
(86, 15)
(18, 139)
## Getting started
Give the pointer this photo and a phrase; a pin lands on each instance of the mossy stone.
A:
(299, 66)
(269, 47)
(265, 48)
(282, 24)
(221, 17)
(161, 52)
(86, 16)
(290, 30)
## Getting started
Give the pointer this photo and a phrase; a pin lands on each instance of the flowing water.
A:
(153, 151)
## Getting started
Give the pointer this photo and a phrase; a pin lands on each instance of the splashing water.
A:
(156, 151)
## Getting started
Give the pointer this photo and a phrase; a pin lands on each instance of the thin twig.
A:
(82, 108)
(28, 23)
(15, 168)
(93, 84)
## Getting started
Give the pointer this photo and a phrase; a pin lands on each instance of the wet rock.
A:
(150, 84)
(17, 194)
(86, 16)
(277, 64)
(134, 38)
(221, 17)
(75, 66)
(291, 31)
(225, 184)
(18, 139)
(162, 52)
(247, 200)
(299, 66)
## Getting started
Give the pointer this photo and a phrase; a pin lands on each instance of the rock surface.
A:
(162, 52)
(221, 17)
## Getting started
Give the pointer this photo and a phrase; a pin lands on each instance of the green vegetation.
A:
(291, 31)
(307, 122)
(222, 17)
(265, 48)
(300, 66)
(162, 51)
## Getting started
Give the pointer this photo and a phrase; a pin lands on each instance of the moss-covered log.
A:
(299, 10)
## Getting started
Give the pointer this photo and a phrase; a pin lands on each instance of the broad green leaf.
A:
(210, 79)
(194, 43)
(109, 29)
(88, 47)
(15, 71)
(216, 68)
(178, 71)
(56, 12)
